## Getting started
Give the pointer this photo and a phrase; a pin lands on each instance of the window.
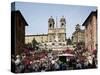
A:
(60, 44)
(62, 25)
(54, 37)
(50, 25)
(63, 40)
(53, 44)
(59, 41)
(50, 40)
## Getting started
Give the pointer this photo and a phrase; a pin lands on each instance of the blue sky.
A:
(37, 14)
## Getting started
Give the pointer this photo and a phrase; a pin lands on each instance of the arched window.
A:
(62, 25)
(50, 26)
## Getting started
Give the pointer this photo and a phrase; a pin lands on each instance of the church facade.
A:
(56, 36)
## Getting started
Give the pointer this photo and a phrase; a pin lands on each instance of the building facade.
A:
(54, 36)
(40, 38)
(78, 36)
(91, 31)
(18, 31)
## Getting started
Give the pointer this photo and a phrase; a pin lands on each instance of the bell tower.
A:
(63, 22)
(62, 34)
(51, 23)
(51, 29)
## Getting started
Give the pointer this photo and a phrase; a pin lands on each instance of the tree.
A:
(29, 45)
(77, 28)
(34, 43)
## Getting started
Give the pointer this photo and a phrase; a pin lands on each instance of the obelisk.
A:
(56, 32)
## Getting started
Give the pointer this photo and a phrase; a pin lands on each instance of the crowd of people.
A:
(38, 61)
